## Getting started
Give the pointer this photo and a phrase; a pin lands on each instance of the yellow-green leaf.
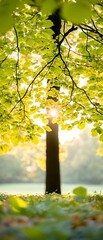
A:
(81, 125)
(17, 202)
(35, 140)
(101, 138)
(94, 132)
(47, 128)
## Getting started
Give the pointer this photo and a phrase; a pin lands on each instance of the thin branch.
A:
(17, 62)
(88, 28)
(46, 65)
(70, 47)
(79, 88)
(86, 32)
(91, 29)
(2, 61)
(73, 28)
(16, 69)
(73, 83)
(96, 29)
(79, 104)
(87, 47)
(32, 17)
(49, 66)
(97, 13)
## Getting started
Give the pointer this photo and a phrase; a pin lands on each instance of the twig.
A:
(46, 65)
(83, 30)
(87, 47)
(79, 104)
(79, 88)
(2, 61)
(16, 70)
(73, 28)
(96, 30)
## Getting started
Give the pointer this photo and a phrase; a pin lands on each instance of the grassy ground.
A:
(32, 188)
(78, 216)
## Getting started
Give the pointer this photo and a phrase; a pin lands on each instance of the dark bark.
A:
(52, 159)
(56, 20)
(52, 155)
(52, 140)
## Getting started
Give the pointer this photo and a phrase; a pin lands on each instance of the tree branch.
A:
(73, 28)
(31, 83)
(2, 61)
(79, 88)
(16, 69)
(85, 31)
(89, 55)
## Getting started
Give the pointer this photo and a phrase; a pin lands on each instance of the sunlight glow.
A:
(38, 121)
(82, 81)
(53, 112)
(65, 136)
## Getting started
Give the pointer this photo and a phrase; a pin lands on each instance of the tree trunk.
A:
(52, 140)
(52, 160)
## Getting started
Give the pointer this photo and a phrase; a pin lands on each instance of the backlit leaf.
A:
(81, 125)
(47, 128)
(49, 6)
(80, 191)
(94, 132)
(76, 12)
(17, 202)
(101, 138)
(35, 139)
(6, 9)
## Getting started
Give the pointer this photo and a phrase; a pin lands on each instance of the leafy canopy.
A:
(29, 57)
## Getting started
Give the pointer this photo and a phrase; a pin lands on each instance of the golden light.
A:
(65, 136)
(53, 112)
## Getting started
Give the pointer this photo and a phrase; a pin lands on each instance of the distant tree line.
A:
(82, 164)
(79, 163)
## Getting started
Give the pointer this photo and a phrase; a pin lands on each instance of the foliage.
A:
(81, 10)
(51, 217)
(29, 57)
(80, 191)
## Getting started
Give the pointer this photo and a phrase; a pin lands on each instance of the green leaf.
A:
(40, 130)
(35, 139)
(17, 203)
(81, 125)
(6, 9)
(76, 12)
(49, 6)
(47, 128)
(6, 22)
(80, 191)
(99, 130)
(48, 24)
(94, 132)
(93, 1)
(101, 138)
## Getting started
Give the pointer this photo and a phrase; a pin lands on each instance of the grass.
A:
(77, 216)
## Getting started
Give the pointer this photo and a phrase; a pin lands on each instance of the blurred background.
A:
(22, 170)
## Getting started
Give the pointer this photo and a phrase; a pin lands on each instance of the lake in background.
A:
(39, 188)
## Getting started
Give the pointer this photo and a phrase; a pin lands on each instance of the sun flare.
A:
(53, 112)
